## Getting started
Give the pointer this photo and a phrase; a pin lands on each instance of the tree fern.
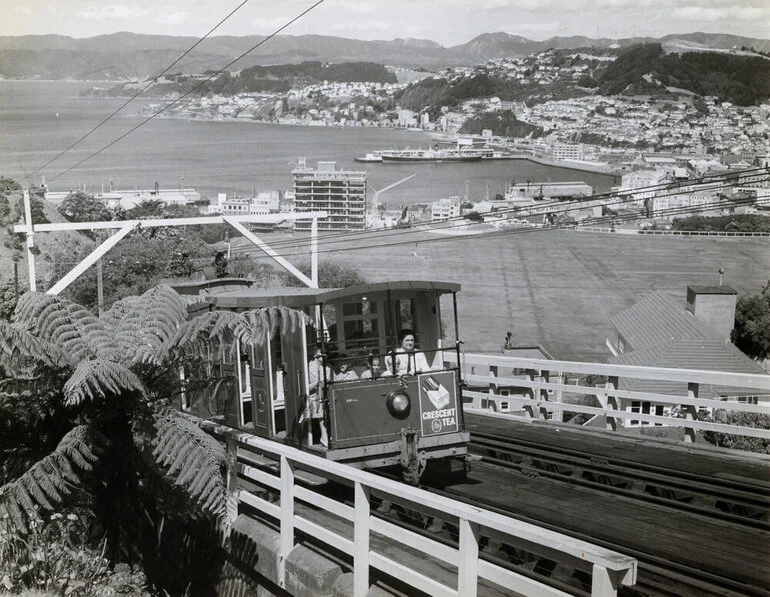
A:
(97, 378)
(48, 482)
(201, 335)
(21, 349)
(149, 323)
(196, 462)
(60, 321)
(30, 417)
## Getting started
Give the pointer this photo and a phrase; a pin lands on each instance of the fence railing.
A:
(632, 231)
(541, 390)
(608, 569)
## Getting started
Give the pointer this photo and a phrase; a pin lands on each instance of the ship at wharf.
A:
(433, 155)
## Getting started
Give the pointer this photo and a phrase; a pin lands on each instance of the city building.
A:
(685, 201)
(341, 193)
(547, 190)
(445, 209)
(128, 199)
(264, 202)
(567, 151)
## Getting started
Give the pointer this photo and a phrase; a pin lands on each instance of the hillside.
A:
(277, 79)
(123, 56)
(742, 80)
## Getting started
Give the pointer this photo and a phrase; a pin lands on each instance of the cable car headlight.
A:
(399, 404)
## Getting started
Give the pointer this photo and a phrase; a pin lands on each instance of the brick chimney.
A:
(715, 306)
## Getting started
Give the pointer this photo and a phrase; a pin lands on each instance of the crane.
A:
(375, 203)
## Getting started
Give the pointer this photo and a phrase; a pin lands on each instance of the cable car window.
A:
(362, 308)
(358, 331)
(405, 314)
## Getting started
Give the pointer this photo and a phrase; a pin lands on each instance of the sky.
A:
(448, 22)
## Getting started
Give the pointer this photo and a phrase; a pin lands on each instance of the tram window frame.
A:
(360, 314)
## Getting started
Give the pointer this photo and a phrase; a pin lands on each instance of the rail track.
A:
(731, 500)
(658, 576)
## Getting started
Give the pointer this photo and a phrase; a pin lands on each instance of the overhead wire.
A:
(619, 197)
(377, 236)
(554, 207)
(673, 211)
(194, 88)
(152, 80)
(677, 210)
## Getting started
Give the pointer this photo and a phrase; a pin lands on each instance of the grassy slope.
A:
(558, 288)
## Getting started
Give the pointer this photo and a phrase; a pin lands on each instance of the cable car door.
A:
(261, 391)
(243, 364)
(294, 353)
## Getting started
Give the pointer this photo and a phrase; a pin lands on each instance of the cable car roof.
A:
(249, 298)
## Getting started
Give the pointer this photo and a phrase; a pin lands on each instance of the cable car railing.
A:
(366, 537)
(546, 389)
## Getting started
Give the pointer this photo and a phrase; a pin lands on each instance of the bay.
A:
(40, 119)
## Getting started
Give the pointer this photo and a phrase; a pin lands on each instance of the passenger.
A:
(344, 373)
(315, 410)
(405, 360)
(374, 371)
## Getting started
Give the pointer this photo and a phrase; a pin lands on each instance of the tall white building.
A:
(341, 193)
(567, 151)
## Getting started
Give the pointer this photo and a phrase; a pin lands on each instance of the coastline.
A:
(566, 165)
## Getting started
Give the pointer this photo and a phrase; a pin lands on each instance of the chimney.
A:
(715, 306)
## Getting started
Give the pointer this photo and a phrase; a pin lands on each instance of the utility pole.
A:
(30, 240)
(99, 286)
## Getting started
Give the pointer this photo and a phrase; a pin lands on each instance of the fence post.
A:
(287, 518)
(558, 413)
(690, 412)
(545, 376)
(603, 582)
(361, 541)
(231, 445)
(534, 395)
(492, 387)
(612, 402)
(468, 567)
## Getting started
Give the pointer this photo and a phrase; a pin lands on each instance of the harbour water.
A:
(39, 119)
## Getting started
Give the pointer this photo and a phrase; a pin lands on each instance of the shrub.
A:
(738, 442)
(54, 558)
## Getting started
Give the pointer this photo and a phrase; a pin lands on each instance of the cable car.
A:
(374, 414)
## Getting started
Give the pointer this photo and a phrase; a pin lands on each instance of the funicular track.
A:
(730, 500)
(657, 577)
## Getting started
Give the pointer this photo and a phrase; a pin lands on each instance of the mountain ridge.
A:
(124, 55)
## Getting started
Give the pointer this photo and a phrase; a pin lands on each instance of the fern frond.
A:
(64, 323)
(19, 347)
(119, 309)
(48, 482)
(149, 323)
(202, 473)
(97, 378)
(261, 324)
(193, 337)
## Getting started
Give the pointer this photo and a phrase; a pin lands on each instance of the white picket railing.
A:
(608, 569)
(544, 391)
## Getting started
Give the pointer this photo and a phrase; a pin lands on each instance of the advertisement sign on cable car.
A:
(438, 402)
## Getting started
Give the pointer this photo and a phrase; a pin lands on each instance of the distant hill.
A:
(277, 78)
(741, 79)
(122, 56)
